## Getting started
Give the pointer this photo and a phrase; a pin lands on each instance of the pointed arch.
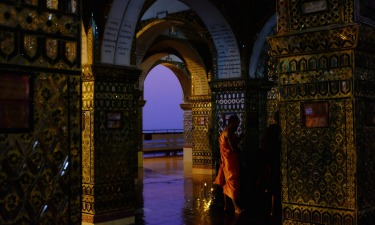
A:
(123, 18)
(193, 62)
(182, 77)
(228, 55)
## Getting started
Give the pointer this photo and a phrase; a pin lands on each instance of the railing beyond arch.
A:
(163, 140)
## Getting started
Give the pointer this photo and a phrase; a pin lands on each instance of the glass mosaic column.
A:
(325, 75)
(110, 138)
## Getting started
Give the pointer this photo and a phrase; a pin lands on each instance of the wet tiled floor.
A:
(170, 194)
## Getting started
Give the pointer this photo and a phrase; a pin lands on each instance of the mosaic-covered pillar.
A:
(326, 82)
(188, 131)
(228, 97)
(40, 119)
(110, 143)
(201, 122)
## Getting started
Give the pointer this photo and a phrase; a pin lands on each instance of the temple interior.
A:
(72, 76)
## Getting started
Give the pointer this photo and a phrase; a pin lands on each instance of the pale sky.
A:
(163, 95)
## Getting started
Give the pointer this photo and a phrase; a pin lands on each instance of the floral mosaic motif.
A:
(329, 66)
(51, 48)
(316, 174)
(26, 179)
(71, 51)
(36, 158)
(30, 45)
(44, 180)
(201, 113)
(30, 19)
(7, 42)
(54, 55)
(305, 214)
(44, 165)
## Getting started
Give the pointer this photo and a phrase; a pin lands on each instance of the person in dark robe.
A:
(270, 178)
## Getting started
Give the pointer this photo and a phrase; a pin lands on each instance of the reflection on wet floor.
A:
(168, 194)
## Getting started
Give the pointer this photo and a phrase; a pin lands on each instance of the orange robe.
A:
(229, 171)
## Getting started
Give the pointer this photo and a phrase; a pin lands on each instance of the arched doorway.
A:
(211, 75)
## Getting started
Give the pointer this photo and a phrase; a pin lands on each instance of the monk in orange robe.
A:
(229, 171)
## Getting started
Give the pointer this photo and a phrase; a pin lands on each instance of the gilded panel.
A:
(318, 164)
(112, 96)
(30, 46)
(41, 171)
(334, 89)
(70, 51)
(8, 45)
(188, 128)
(272, 105)
(306, 77)
(317, 76)
(115, 147)
(201, 122)
(108, 161)
(316, 67)
(301, 14)
(315, 41)
(39, 51)
(51, 48)
(52, 4)
(110, 103)
(307, 215)
(112, 198)
(88, 154)
(87, 95)
(34, 20)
